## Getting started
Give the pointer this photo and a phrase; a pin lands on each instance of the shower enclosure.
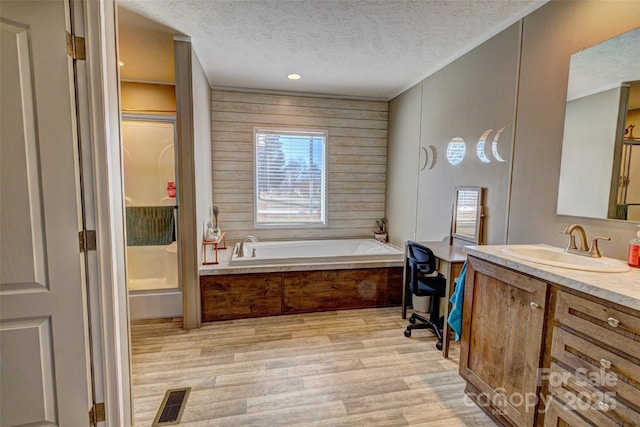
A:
(629, 181)
(151, 216)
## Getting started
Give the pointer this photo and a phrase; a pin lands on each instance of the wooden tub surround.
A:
(237, 296)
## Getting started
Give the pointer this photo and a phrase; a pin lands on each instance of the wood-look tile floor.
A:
(340, 368)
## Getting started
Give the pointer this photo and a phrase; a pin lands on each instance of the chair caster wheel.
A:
(412, 320)
(407, 333)
(439, 345)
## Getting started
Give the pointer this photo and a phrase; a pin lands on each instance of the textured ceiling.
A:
(340, 47)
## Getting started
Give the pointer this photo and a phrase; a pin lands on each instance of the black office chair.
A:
(420, 263)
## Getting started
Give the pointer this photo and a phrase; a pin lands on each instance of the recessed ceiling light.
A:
(294, 76)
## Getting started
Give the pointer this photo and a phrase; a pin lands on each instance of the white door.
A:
(43, 328)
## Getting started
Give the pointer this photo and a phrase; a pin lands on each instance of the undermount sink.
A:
(557, 257)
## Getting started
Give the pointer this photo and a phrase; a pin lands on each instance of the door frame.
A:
(108, 302)
(188, 246)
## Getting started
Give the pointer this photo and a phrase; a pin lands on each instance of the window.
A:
(290, 177)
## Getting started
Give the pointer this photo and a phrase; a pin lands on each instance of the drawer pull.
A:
(606, 364)
(604, 407)
(613, 322)
(533, 305)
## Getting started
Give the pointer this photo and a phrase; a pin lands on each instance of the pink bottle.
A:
(171, 189)
(633, 258)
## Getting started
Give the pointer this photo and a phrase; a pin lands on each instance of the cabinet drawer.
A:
(607, 325)
(599, 406)
(607, 370)
(559, 415)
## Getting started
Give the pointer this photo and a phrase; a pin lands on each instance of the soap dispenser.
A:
(634, 251)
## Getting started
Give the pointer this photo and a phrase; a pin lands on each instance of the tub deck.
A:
(224, 267)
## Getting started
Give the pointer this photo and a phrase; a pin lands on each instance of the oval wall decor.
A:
(456, 150)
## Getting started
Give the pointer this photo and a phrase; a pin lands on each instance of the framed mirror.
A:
(468, 215)
(600, 164)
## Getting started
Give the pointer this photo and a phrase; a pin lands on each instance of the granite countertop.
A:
(620, 288)
(224, 256)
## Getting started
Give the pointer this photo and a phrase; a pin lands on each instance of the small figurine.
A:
(211, 231)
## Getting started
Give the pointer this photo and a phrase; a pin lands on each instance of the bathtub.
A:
(314, 251)
(287, 277)
(152, 279)
(152, 267)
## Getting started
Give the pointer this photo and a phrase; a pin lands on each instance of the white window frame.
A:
(325, 172)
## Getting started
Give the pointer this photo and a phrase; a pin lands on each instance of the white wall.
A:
(471, 97)
(403, 158)
(202, 146)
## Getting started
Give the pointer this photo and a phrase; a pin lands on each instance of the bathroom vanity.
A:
(544, 345)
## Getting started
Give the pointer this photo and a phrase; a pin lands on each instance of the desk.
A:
(449, 260)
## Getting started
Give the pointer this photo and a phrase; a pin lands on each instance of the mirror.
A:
(600, 165)
(468, 214)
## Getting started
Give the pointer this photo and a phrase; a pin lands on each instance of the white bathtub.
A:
(152, 276)
(152, 267)
(314, 251)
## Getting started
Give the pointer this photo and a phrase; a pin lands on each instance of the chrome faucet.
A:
(584, 249)
(240, 251)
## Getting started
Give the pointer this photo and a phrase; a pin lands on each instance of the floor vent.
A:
(172, 407)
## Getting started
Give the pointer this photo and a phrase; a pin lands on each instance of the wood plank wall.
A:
(357, 162)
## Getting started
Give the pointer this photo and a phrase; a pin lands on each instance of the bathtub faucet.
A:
(242, 242)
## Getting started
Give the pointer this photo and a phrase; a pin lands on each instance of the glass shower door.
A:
(150, 200)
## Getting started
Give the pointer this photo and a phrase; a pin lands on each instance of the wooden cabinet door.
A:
(502, 332)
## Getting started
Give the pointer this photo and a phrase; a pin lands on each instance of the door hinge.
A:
(76, 47)
(96, 414)
(87, 240)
